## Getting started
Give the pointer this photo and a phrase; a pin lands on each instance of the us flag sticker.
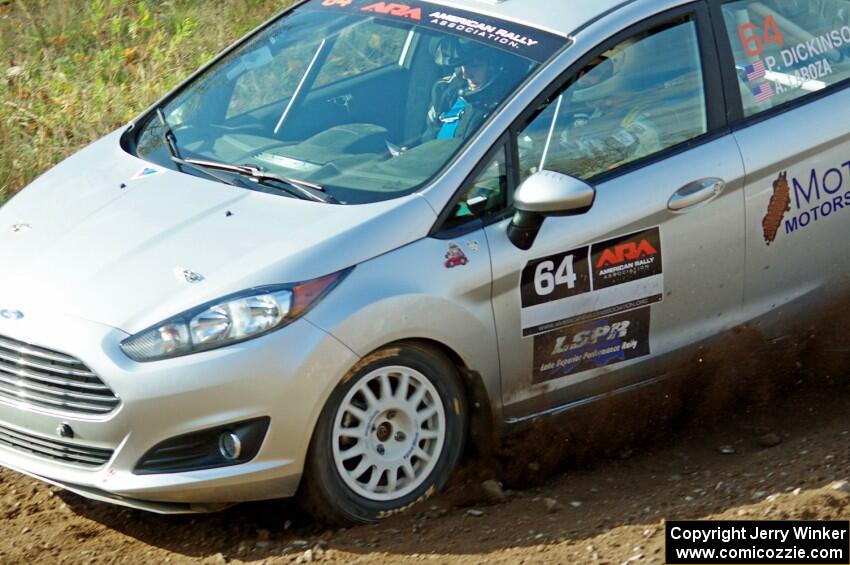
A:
(755, 71)
(763, 92)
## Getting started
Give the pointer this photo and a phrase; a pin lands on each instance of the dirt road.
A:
(780, 461)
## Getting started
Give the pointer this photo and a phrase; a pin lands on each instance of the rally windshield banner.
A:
(524, 40)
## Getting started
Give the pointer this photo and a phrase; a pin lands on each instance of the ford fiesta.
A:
(366, 226)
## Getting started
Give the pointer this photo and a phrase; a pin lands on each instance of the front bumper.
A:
(286, 376)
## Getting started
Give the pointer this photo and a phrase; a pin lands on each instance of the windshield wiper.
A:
(302, 189)
(168, 135)
(171, 143)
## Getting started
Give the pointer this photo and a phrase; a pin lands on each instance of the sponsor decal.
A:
(590, 345)
(602, 279)
(780, 203)
(800, 202)
(455, 257)
(393, 9)
(476, 28)
(147, 172)
(626, 259)
(473, 246)
(524, 40)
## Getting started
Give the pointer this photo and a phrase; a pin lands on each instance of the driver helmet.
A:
(602, 78)
(475, 54)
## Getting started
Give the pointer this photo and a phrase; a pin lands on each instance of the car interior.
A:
(349, 110)
(630, 94)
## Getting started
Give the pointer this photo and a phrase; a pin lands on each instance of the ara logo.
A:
(393, 9)
(629, 251)
(342, 3)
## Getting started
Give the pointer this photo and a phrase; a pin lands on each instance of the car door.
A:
(603, 300)
(789, 62)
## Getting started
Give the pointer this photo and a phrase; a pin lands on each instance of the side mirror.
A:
(543, 194)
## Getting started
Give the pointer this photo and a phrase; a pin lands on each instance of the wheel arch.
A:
(479, 416)
(484, 417)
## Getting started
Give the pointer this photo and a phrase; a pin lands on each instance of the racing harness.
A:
(451, 119)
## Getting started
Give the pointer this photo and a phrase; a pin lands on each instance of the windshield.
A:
(367, 100)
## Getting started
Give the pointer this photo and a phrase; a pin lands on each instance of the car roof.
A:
(561, 17)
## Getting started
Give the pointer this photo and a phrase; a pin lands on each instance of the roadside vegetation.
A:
(73, 70)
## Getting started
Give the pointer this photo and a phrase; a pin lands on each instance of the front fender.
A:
(410, 294)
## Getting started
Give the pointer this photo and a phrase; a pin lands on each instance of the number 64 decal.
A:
(547, 278)
(755, 40)
(555, 277)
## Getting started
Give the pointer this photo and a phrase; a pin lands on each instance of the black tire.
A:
(323, 492)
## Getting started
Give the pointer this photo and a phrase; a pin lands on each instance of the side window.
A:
(786, 49)
(642, 96)
(485, 194)
(363, 48)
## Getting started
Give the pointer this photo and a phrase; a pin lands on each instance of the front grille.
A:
(35, 376)
(49, 449)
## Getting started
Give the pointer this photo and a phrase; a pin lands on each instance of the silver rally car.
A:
(368, 225)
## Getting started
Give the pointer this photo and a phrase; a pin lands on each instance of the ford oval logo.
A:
(11, 314)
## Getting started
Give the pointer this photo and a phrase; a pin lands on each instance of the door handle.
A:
(697, 192)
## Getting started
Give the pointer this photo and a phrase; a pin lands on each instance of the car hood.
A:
(95, 238)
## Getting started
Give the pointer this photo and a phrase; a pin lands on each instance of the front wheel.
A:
(390, 435)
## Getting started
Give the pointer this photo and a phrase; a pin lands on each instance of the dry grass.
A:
(74, 70)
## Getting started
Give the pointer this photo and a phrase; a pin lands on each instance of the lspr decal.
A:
(590, 345)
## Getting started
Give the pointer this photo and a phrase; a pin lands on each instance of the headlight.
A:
(238, 317)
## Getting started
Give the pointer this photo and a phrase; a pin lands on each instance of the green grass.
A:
(73, 70)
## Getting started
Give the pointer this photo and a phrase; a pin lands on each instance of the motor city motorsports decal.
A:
(527, 41)
(592, 344)
(598, 280)
(797, 203)
(797, 65)
(780, 203)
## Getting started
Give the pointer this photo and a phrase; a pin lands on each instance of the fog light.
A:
(222, 446)
(230, 446)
